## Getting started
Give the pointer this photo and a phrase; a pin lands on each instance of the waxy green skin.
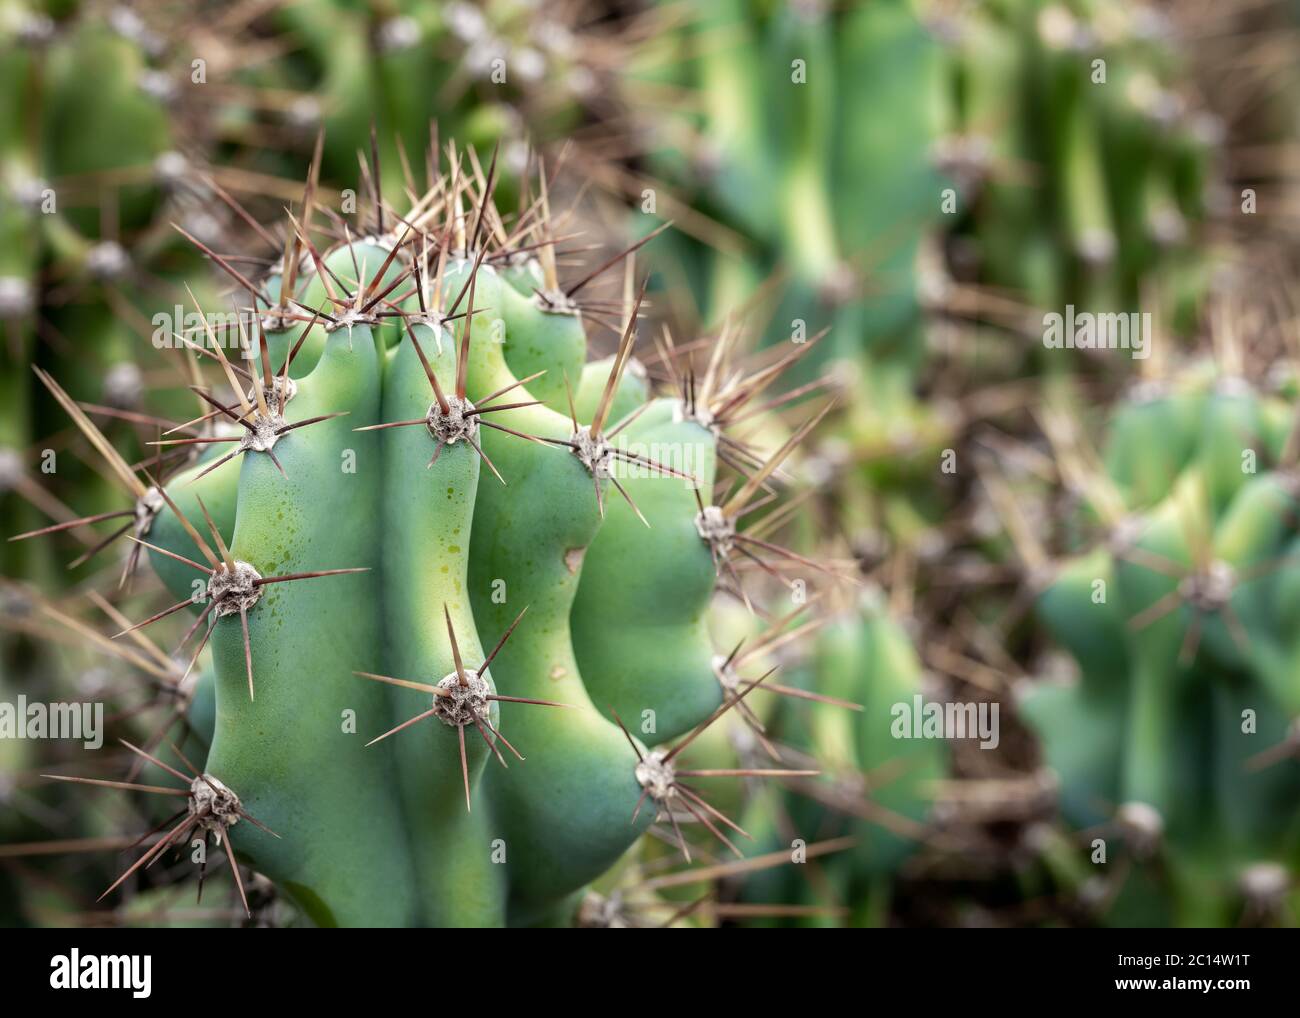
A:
(219, 489)
(219, 492)
(344, 265)
(428, 515)
(564, 815)
(523, 275)
(537, 338)
(380, 835)
(639, 626)
(632, 390)
(288, 754)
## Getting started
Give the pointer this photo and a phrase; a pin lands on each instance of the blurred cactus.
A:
(499, 71)
(414, 493)
(1085, 170)
(105, 150)
(804, 157)
(878, 787)
(1173, 744)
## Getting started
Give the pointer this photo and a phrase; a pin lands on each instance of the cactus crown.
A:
(382, 375)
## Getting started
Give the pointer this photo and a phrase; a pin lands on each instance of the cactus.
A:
(477, 68)
(454, 608)
(106, 145)
(876, 791)
(367, 546)
(42, 227)
(1085, 174)
(784, 174)
(1174, 739)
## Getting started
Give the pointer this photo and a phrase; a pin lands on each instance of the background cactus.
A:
(876, 789)
(798, 188)
(114, 139)
(1086, 165)
(1176, 617)
(494, 72)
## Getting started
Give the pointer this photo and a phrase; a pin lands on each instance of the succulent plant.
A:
(412, 569)
(1086, 169)
(788, 173)
(108, 142)
(1173, 743)
(433, 614)
(486, 72)
(875, 791)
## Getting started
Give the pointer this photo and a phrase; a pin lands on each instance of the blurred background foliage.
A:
(911, 185)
